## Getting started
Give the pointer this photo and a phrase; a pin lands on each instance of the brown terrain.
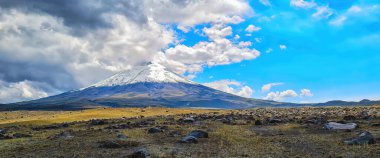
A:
(166, 132)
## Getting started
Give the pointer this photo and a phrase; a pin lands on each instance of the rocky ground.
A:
(262, 132)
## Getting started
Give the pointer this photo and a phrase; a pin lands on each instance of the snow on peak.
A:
(152, 72)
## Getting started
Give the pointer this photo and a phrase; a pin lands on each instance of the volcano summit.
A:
(148, 85)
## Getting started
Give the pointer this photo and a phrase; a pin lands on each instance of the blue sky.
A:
(340, 61)
(283, 50)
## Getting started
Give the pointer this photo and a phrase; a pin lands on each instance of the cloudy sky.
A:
(288, 50)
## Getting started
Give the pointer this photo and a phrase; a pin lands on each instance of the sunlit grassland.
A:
(48, 117)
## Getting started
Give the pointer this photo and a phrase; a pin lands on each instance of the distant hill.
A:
(364, 102)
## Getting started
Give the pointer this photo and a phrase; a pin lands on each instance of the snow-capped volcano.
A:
(151, 72)
(148, 85)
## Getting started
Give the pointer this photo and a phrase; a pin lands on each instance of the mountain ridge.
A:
(153, 85)
(148, 85)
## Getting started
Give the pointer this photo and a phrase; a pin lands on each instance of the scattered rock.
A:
(364, 138)
(258, 122)
(163, 127)
(64, 135)
(122, 136)
(3, 131)
(365, 115)
(193, 136)
(340, 126)
(109, 144)
(141, 153)
(274, 120)
(2, 136)
(227, 120)
(21, 135)
(155, 130)
(198, 134)
(121, 126)
(174, 134)
(97, 122)
(54, 126)
(189, 139)
(189, 120)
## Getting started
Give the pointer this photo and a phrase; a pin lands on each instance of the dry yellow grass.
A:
(241, 139)
(48, 117)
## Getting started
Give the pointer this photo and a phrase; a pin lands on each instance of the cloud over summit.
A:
(69, 44)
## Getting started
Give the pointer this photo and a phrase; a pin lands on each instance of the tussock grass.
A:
(49, 117)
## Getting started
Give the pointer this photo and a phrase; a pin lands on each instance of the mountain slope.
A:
(149, 85)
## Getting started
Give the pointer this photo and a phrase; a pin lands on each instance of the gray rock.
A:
(258, 122)
(2, 136)
(340, 126)
(3, 131)
(97, 122)
(274, 120)
(155, 130)
(365, 115)
(21, 135)
(189, 120)
(189, 139)
(364, 138)
(174, 134)
(141, 153)
(122, 136)
(109, 144)
(64, 135)
(198, 134)
(193, 136)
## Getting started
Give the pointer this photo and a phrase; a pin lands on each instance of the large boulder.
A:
(193, 136)
(189, 139)
(340, 126)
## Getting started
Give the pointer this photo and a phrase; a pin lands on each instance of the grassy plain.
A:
(232, 133)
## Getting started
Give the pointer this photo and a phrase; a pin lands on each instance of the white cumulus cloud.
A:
(233, 87)
(306, 93)
(19, 91)
(266, 3)
(252, 28)
(267, 87)
(269, 50)
(283, 47)
(354, 9)
(44, 43)
(323, 12)
(302, 4)
(190, 13)
(218, 51)
(278, 96)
